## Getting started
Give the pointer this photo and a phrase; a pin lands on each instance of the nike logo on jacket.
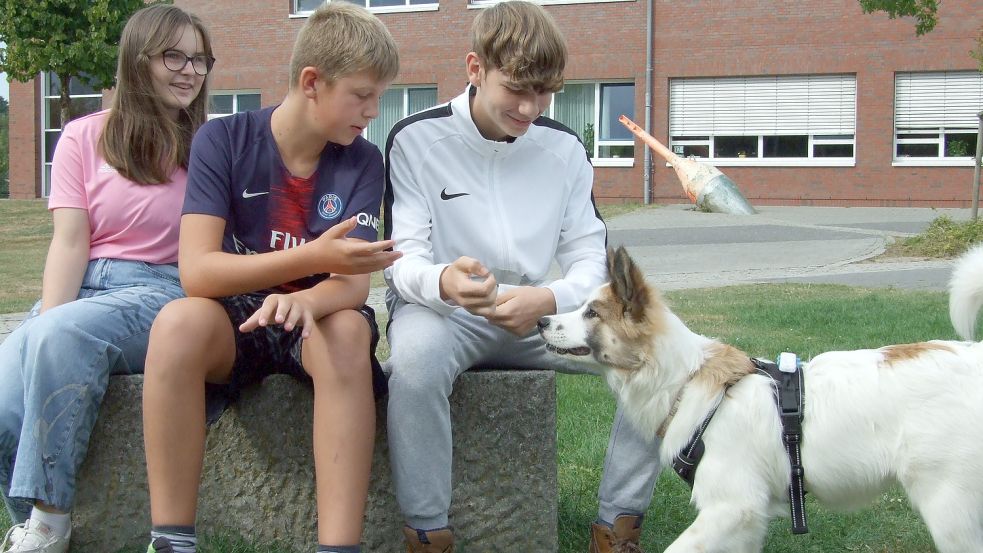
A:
(445, 196)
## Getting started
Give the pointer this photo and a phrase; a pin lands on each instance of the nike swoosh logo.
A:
(445, 196)
(247, 194)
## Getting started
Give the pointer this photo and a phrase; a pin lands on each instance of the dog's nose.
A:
(543, 323)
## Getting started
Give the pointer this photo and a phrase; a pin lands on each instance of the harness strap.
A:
(788, 397)
(685, 462)
(788, 400)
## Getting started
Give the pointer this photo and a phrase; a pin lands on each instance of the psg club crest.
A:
(330, 206)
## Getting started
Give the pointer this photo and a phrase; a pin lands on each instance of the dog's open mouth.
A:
(579, 351)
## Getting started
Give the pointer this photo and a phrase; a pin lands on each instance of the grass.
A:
(26, 228)
(943, 238)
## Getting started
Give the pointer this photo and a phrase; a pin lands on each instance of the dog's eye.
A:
(590, 314)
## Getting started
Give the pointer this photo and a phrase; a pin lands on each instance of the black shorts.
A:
(273, 350)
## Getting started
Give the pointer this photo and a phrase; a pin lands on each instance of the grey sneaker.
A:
(34, 537)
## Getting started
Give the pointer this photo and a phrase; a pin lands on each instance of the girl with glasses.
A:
(117, 186)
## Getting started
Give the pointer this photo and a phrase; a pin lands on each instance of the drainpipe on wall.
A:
(647, 159)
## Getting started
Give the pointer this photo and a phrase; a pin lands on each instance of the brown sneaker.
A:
(434, 541)
(623, 538)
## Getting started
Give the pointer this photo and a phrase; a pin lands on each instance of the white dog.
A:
(909, 413)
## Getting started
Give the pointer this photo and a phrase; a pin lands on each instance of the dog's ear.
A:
(627, 283)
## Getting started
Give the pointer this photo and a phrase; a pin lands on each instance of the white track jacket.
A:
(514, 206)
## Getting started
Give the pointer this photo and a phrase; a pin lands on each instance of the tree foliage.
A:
(70, 38)
(925, 12)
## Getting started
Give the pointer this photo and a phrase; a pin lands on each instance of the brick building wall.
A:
(24, 152)
(252, 41)
(697, 38)
(692, 38)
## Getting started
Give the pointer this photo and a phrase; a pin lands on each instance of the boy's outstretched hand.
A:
(348, 256)
(469, 284)
(287, 310)
(518, 309)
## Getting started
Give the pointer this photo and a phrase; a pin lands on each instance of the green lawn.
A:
(26, 228)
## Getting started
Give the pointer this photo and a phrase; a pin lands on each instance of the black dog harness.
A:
(788, 399)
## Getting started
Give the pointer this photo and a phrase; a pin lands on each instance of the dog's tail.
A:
(966, 292)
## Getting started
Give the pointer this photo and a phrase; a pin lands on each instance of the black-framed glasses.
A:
(176, 60)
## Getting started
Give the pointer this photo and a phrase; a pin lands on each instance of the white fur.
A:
(966, 292)
(867, 424)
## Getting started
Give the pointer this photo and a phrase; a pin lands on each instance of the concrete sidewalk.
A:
(678, 247)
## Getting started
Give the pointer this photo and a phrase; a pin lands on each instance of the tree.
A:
(74, 39)
(925, 12)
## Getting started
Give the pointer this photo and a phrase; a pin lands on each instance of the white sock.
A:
(182, 538)
(60, 523)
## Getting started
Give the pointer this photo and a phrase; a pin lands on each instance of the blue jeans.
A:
(55, 368)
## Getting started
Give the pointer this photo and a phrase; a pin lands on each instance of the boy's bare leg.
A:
(191, 342)
(336, 355)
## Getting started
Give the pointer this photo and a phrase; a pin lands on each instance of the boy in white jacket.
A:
(483, 194)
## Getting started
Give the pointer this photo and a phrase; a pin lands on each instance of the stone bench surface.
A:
(258, 480)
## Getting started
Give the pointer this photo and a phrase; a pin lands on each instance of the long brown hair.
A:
(140, 140)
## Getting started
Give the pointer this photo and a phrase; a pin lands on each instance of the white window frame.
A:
(596, 160)
(235, 100)
(480, 4)
(817, 134)
(297, 13)
(45, 131)
(936, 103)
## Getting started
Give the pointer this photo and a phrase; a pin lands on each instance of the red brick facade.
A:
(252, 41)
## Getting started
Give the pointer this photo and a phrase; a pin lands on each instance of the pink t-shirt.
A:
(128, 220)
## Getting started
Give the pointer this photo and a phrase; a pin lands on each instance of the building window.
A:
(483, 3)
(84, 100)
(777, 120)
(395, 104)
(591, 110)
(223, 103)
(935, 117)
(303, 8)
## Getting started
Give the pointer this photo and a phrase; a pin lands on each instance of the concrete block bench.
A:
(258, 481)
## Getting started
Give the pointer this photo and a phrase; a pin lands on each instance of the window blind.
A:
(937, 100)
(769, 105)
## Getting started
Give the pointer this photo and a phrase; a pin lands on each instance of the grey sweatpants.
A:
(428, 353)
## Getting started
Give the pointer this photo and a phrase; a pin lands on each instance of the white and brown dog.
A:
(909, 413)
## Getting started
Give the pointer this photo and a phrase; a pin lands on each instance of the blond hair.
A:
(523, 42)
(341, 39)
(140, 140)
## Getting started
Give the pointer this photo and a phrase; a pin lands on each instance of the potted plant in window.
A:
(589, 139)
(958, 148)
